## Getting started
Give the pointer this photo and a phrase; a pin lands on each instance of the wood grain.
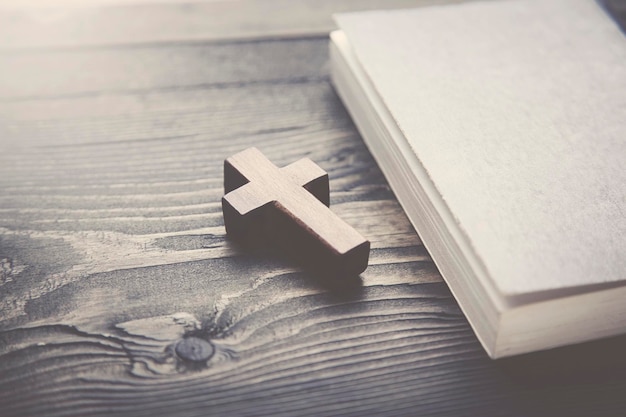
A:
(113, 250)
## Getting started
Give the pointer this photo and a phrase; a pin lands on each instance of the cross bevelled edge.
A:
(289, 207)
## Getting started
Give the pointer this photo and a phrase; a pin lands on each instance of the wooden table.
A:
(114, 124)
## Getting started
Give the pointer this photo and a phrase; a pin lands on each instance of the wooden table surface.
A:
(114, 124)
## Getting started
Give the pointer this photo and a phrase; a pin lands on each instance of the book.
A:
(501, 128)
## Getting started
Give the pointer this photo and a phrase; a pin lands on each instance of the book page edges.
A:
(365, 108)
(562, 321)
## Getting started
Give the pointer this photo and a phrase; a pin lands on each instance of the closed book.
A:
(501, 127)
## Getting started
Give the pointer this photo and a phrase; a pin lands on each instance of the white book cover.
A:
(510, 118)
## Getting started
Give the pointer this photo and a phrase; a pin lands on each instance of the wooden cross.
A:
(289, 206)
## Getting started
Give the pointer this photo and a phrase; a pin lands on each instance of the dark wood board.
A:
(112, 249)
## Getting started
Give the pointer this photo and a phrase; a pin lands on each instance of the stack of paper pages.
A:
(501, 127)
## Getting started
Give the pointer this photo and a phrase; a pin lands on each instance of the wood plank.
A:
(112, 249)
(33, 74)
(158, 22)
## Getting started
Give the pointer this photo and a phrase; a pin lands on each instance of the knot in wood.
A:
(194, 349)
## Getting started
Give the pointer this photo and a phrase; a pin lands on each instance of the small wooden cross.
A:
(289, 206)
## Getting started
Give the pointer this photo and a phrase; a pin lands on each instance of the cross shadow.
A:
(600, 361)
(339, 287)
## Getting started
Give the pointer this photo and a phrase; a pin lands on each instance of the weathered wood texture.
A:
(112, 250)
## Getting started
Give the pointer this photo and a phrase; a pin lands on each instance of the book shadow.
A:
(599, 361)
